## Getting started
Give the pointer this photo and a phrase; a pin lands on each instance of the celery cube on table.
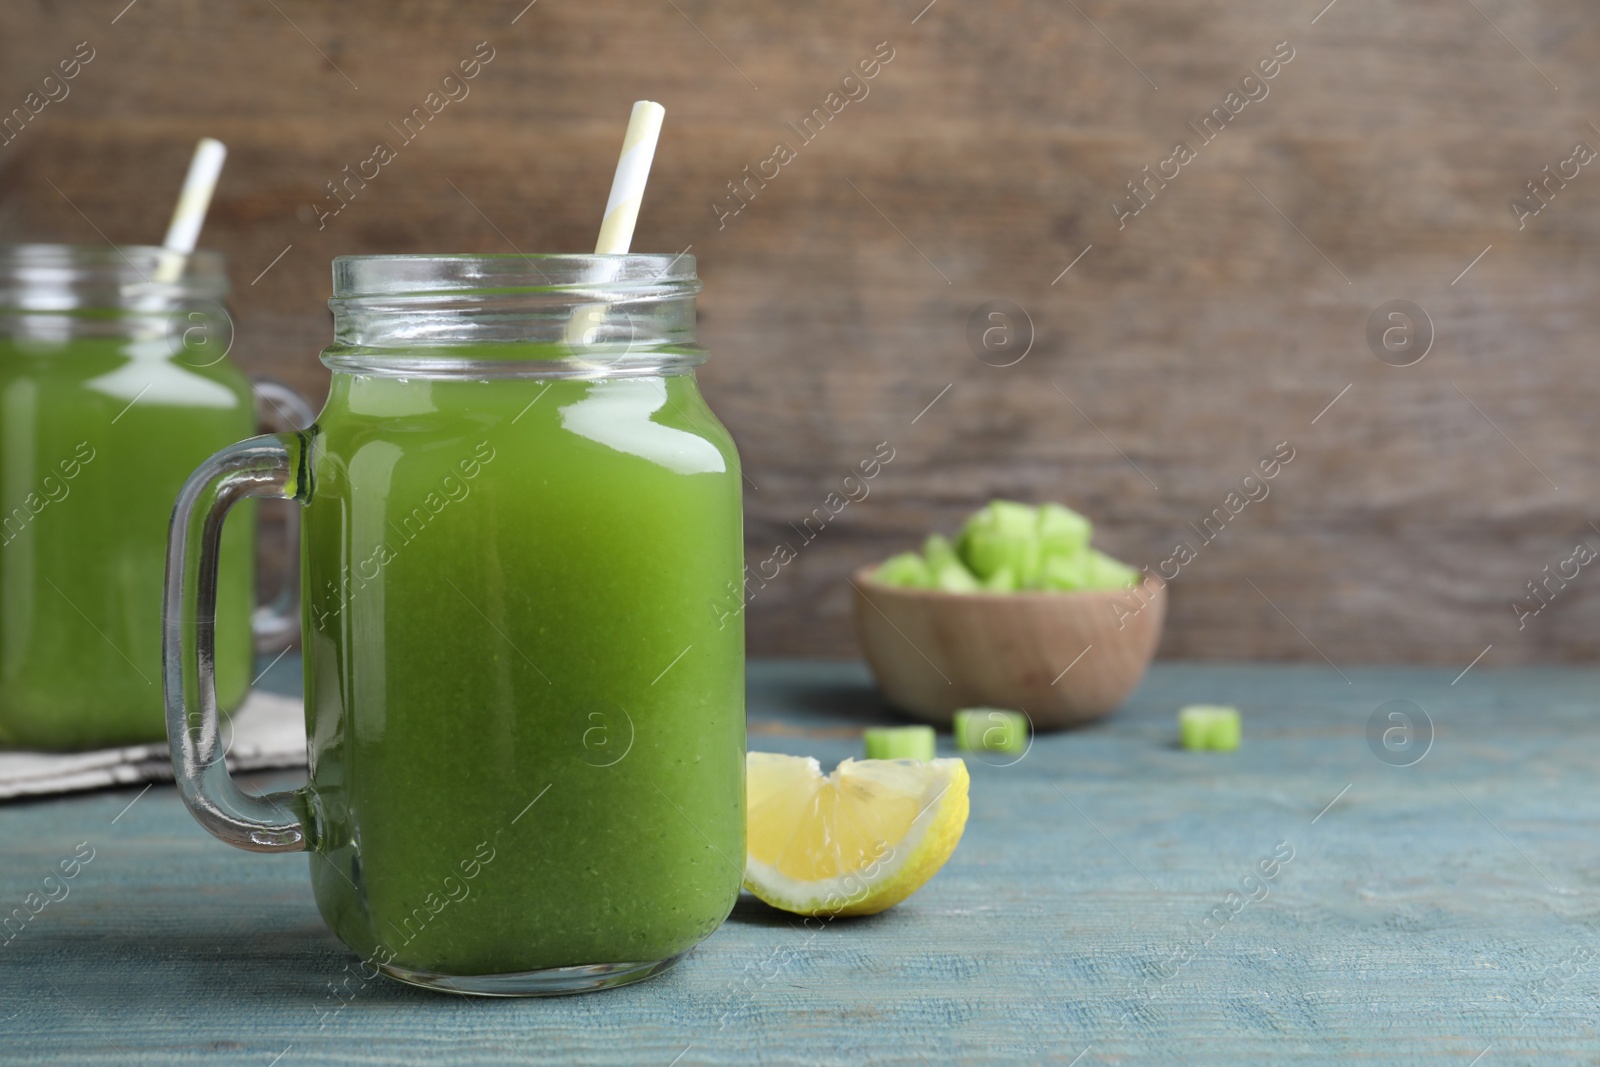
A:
(899, 742)
(991, 730)
(1209, 726)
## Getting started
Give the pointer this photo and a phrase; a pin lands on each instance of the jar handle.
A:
(269, 466)
(276, 625)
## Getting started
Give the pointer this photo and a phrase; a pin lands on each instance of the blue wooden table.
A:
(1318, 897)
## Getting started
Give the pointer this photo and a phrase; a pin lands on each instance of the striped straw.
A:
(633, 170)
(193, 202)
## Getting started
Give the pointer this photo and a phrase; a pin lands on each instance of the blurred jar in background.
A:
(114, 385)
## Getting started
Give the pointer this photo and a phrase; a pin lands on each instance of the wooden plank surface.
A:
(1429, 912)
(983, 161)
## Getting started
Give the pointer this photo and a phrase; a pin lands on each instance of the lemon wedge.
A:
(853, 842)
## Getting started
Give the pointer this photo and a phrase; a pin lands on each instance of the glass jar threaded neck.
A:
(54, 292)
(583, 316)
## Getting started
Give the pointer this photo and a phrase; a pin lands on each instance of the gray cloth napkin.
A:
(268, 731)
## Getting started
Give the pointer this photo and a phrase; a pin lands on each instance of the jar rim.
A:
(390, 275)
(106, 281)
(142, 260)
(499, 314)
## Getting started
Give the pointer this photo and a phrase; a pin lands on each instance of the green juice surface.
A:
(524, 592)
(97, 435)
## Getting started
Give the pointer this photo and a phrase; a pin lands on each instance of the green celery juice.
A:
(525, 694)
(96, 437)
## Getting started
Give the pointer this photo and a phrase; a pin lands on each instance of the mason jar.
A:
(521, 528)
(114, 383)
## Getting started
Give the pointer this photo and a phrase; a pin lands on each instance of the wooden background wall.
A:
(1176, 352)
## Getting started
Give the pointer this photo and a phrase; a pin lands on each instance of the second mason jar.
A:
(114, 383)
(524, 649)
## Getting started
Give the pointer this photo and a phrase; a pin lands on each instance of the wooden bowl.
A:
(935, 652)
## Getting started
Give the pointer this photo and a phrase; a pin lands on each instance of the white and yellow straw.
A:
(633, 171)
(622, 208)
(193, 203)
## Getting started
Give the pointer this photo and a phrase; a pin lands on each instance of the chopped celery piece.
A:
(1088, 569)
(1226, 732)
(1007, 547)
(1002, 534)
(1001, 581)
(1194, 728)
(1209, 726)
(1107, 573)
(952, 577)
(1005, 518)
(945, 567)
(1066, 573)
(899, 742)
(991, 730)
(938, 551)
(907, 570)
(1062, 531)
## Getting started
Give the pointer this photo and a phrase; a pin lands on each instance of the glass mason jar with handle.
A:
(524, 650)
(113, 385)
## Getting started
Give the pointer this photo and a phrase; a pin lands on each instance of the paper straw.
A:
(622, 208)
(193, 202)
(633, 170)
